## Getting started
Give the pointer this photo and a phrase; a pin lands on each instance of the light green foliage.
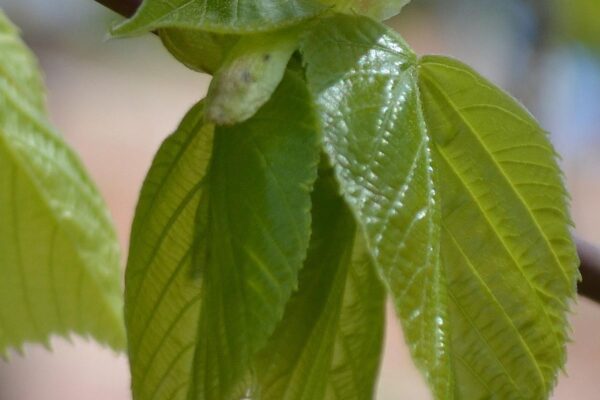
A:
(329, 341)
(249, 276)
(221, 16)
(59, 258)
(249, 76)
(430, 148)
(378, 9)
(506, 248)
(162, 298)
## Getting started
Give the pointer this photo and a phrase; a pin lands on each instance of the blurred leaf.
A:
(460, 162)
(219, 16)
(162, 301)
(580, 19)
(329, 342)
(59, 257)
(249, 75)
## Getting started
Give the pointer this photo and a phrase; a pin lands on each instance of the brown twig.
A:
(590, 271)
(589, 255)
(124, 7)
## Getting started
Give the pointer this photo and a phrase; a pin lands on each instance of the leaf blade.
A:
(162, 297)
(221, 16)
(529, 202)
(328, 344)
(58, 240)
(382, 156)
(257, 238)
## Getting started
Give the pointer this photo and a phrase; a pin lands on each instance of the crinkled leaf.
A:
(198, 50)
(250, 74)
(162, 301)
(256, 232)
(59, 257)
(329, 342)
(222, 16)
(484, 313)
(509, 258)
(378, 9)
(364, 79)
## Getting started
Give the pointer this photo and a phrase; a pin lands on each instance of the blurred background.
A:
(116, 100)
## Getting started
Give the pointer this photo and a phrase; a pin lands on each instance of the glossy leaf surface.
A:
(433, 154)
(256, 230)
(507, 251)
(249, 75)
(162, 301)
(329, 342)
(364, 79)
(222, 16)
(59, 257)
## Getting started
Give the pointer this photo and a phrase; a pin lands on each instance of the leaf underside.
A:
(461, 202)
(59, 257)
(220, 16)
(255, 228)
(329, 342)
(162, 298)
(216, 247)
(378, 9)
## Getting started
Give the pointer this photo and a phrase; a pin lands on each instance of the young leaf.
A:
(256, 233)
(198, 50)
(250, 74)
(488, 318)
(329, 341)
(220, 16)
(378, 9)
(162, 301)
(364, 80)
(507, 251)
(59, 257)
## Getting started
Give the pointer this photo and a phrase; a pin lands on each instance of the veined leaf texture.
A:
(59, 257)
(285, 207)
(461, 200)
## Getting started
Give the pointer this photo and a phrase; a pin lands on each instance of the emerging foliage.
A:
(272, 224)
(59, 257)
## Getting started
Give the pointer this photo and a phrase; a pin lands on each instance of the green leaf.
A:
(461, 201)
(198, 50)
(220, 16)
(507, 251)
(364, 80)
(256, 233)
(329, 342)
(250, 74)
(162, 301)
(378, 9)
(216, 246)
(59, 257)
